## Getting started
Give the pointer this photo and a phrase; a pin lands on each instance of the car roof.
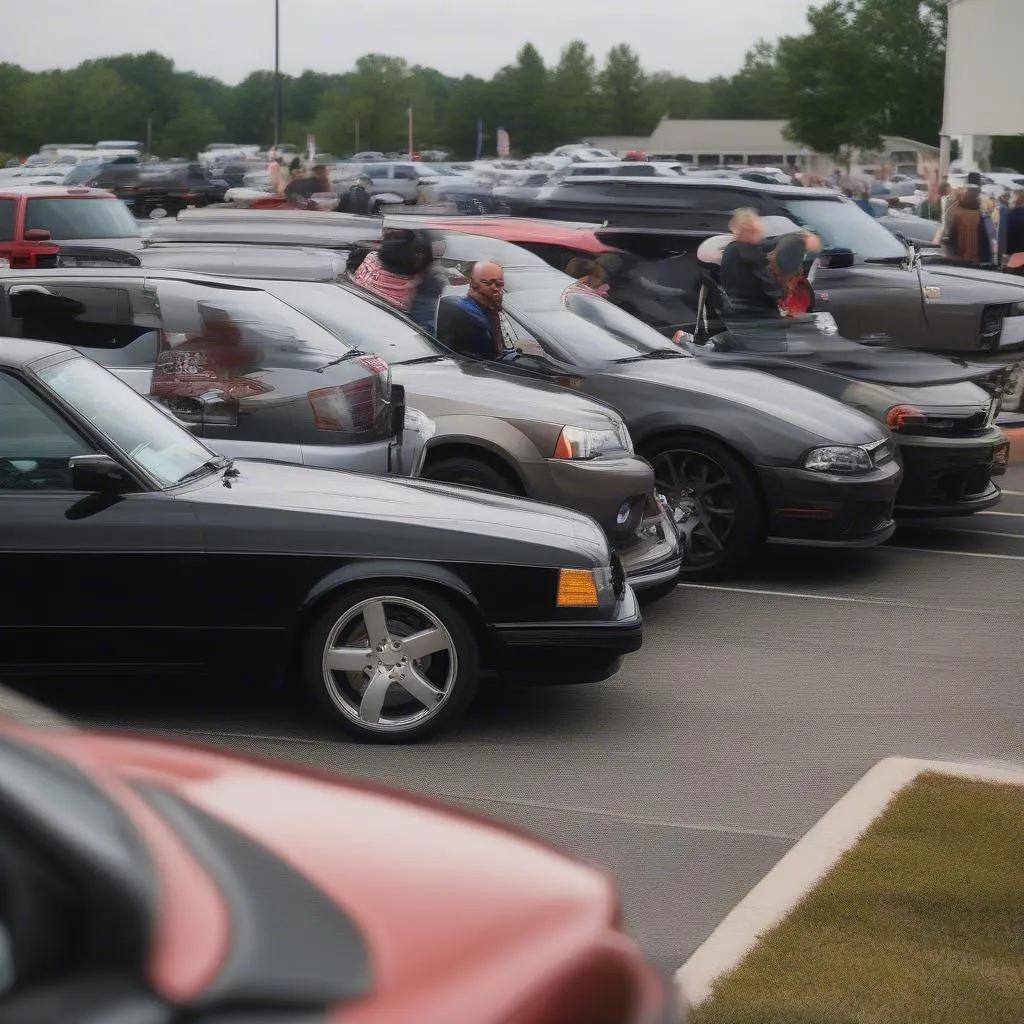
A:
(125, 274)
(521, 230)
(54, 192)
(268, 231)
(257, 262)
(623, 184)
(16, 352)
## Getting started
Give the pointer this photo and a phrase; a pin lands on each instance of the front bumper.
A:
(558, 653)
(828, 510)
(949, 476)
(596, 487)
(655, 558)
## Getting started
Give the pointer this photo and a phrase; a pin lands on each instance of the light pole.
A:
(277, 74)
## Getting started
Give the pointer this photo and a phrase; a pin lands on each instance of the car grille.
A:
(991, 326)
(956, 426)
(958, 484)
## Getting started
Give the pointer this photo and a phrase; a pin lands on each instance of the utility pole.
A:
(149, 135)
(357, 136)
(277, 74)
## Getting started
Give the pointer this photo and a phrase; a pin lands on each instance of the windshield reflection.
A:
(132, 424)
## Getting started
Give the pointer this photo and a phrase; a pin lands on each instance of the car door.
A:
(87, 582)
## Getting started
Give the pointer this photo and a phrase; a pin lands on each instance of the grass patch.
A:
(922, 922)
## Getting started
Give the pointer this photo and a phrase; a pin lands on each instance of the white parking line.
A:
(1015, 494)
(978, 533)
(1009, 515)
(964, 554)
(838, 599)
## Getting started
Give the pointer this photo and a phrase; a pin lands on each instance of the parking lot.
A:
(752, 707)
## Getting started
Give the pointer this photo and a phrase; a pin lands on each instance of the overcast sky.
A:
(230, 38)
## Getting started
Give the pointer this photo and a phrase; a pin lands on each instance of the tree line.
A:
(864, 69)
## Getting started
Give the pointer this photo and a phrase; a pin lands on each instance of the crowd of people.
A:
(977, 229)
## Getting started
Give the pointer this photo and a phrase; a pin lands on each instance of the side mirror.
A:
(98, 474)
(158, 214)
(836, 259)
(37, 235)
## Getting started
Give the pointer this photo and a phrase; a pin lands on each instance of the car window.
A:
(636, 171)
(358, 322)
(132, 424)
(70, 218)
(248, 329)
(590, 330)
(103, 318)
(843, 225)
(35, 443)
(7, 208)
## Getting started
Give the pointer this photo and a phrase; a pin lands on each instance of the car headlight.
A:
(582, 588)
(585, 443)
(838, 458)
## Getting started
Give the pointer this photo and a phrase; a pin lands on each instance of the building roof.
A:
(706, 136)
(620, 143)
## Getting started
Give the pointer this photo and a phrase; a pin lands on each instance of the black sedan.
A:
(942, 411)
(128, 546)
(741, 456)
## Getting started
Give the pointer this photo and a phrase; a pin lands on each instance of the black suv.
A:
(872, 282)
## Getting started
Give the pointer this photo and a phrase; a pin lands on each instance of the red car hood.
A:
(465, 920)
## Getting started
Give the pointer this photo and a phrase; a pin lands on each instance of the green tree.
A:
(522, 103)
(574, 92)
(677, 96)
(755, 92)
(189, 133)
(826, 75)
(624, 100)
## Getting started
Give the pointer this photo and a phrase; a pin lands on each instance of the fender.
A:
(367, 572)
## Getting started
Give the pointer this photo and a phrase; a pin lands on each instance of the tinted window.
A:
(147, 436)
(591, 330)
(35, 443)
(636, 171)
(359, 322)
(844, 225)
(70, 219)
(7, 208)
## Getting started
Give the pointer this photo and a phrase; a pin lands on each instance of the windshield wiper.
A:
(218, 462)
(894, 260)
(352, 353)
(657, 353)
(420, 360)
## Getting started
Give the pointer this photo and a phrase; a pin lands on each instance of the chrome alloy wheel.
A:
(389, 664)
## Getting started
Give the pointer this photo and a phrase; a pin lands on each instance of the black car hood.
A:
(968, 284)
(874, 364)
(817, 415)
(472, 520)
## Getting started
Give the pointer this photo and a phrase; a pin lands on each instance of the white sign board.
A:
(983, 49)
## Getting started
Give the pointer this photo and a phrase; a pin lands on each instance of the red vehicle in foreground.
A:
(153, 883)
(34, 219)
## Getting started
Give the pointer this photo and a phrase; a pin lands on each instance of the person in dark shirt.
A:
(469, 324)
(748, 280)
(301, 190)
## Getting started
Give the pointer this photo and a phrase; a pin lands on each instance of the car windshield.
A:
(469, 249)
(359, 322)
(589, 329)
(69, 218)
(844, 225)
(142, 432)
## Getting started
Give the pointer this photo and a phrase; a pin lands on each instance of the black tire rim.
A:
(703, 501)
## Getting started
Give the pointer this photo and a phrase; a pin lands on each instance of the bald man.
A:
(469, 324)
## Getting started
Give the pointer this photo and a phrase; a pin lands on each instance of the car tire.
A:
(362, 687)
(714, 501)
(470, 472)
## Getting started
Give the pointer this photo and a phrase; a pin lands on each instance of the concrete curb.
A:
(809, 861)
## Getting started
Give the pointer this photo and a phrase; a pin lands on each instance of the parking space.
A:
(752, 707)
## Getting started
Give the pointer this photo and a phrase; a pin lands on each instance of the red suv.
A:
(34, 219)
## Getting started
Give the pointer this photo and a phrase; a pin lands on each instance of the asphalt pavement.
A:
(752, 707)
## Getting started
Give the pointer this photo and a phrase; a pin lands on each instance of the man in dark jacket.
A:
(469, 324)
(748, 280)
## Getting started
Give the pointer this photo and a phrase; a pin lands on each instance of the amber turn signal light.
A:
(577, 589)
